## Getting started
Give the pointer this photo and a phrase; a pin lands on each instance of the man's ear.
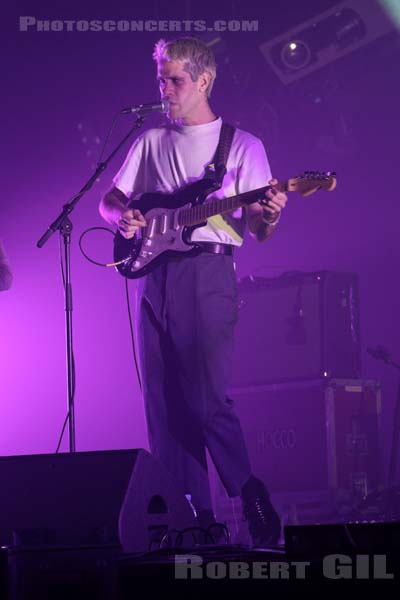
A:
(204, 81)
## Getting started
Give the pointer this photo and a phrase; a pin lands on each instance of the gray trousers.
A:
(187, 313)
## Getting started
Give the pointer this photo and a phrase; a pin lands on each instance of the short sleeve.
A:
(254, 170)
(127, 178)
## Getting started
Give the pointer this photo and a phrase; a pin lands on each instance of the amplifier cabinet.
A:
(319, 436)
(297, 326)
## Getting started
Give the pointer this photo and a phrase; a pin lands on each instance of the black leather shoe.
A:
(263, 520)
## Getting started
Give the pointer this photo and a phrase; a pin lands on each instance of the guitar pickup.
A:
(163, 224)
(152, 226)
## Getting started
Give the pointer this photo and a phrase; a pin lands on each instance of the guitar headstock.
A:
(312, 181)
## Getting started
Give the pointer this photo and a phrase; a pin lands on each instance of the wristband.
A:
(271, 223)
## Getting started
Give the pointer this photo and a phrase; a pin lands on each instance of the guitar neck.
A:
(199, 214)
(305, 184)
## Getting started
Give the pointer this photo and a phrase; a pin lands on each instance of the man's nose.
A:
(167, 88)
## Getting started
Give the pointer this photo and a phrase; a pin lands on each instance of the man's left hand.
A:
(276, 201)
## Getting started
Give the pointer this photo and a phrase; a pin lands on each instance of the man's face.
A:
(176, 85)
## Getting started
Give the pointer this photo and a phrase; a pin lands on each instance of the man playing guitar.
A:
(188, 304)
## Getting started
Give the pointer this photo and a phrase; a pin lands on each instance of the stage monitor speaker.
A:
(295, 327)
(119, 496)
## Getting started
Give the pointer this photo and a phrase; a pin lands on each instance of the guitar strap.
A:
(216, 170)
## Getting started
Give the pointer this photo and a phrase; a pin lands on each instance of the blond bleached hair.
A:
(194, 54)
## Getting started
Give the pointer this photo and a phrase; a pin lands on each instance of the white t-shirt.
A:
(169, 157)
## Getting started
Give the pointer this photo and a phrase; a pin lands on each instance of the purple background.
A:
(343, 117)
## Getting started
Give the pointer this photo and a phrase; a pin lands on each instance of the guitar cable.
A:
(114, 264)
(128, 304)
(95, 262)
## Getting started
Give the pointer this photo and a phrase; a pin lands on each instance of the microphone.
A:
(144, 109)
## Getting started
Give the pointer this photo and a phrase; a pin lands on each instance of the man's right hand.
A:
(113, 209)
(129, 222)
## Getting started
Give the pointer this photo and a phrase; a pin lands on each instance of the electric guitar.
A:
(171, 218)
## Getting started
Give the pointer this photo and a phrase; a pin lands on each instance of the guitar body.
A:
(163, 236)
(171, 218)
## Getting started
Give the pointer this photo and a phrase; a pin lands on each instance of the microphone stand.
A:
(64, 225)
(387, 501)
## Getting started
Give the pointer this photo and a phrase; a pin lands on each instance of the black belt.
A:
(215, 248)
